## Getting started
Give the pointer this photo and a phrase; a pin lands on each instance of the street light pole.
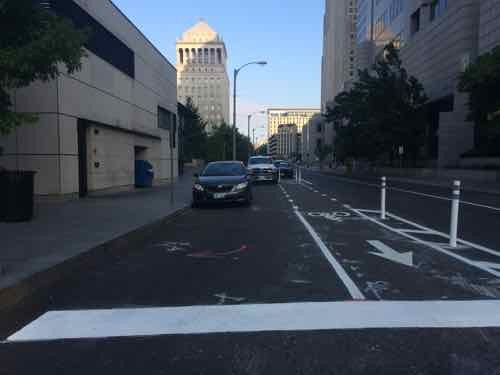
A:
(249, 139)
(236, 71)
(249, 127)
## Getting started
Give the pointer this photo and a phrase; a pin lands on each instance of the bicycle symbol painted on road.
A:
(337, 216)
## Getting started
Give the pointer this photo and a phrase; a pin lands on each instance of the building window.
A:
(181, 56)
(437, 8)
(164, 118)
(415, 22)
(101, 41)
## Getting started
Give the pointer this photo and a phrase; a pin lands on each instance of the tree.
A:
(194, 134)
(481, 81)
(220, 144)
(261, 150)
(34, 44)
(384, 110)
(323, 151)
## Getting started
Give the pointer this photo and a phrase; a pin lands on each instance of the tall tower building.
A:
(202, 73)
(338, 65)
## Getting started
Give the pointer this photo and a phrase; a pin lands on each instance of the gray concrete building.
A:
(202, 73)
(272, 146)
(94, 124)
(443, 39)
(489, 27)
(438, 40)
(312, 137)
(287, 141)
(338, 64)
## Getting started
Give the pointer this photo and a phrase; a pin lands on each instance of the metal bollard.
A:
(455, 205)
(300, 175)
(383, 187)
(279, 175)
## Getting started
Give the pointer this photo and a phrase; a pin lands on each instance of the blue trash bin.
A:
(144, 174)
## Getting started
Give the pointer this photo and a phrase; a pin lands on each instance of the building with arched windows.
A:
(202, 73)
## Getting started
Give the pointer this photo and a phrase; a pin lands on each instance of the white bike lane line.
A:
(350, 285)
(382, 264)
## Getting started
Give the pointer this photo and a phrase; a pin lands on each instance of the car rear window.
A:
(224, 169)
(261, 160)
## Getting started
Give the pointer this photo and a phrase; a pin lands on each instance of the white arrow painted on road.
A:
(389, 253)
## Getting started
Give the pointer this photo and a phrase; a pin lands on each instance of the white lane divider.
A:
(433, 245)
(308, 316)
(354, 291)
(357, 182)
(306, 181)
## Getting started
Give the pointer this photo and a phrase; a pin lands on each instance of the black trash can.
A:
(16, 195)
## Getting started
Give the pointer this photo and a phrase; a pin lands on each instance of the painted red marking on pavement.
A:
(215, 255)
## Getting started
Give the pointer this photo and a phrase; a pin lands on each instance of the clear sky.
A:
(286, 33)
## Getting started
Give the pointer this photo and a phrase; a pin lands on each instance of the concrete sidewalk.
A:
(64, 229)
(468, 185)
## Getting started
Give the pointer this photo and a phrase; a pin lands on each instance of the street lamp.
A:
(249, 119)
(236, 71)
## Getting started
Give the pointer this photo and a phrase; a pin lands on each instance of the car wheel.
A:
(248, 201)
(195, 204)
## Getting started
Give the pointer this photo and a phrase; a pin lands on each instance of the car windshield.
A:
(224, 169)
(260, 160)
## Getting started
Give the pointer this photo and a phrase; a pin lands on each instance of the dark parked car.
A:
(223, 181)
(285, 168)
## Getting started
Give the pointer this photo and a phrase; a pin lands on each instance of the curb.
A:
(20, 302)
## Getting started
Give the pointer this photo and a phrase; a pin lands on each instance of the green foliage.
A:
(194, 134)
(261, 150)
(481, 81)
(220, 144)
(34, 43)
(323, 152)
(384, 109)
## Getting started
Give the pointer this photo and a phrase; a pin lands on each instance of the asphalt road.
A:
(479, 218)
(298, 283)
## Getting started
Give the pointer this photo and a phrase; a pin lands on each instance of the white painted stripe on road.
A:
(416, 192)
(324, 195)
(435, 232)
(334, 200)
(444, 198)
(348, 282)
(418, 231)
(429, 244)
(306, 181)
(309, 316)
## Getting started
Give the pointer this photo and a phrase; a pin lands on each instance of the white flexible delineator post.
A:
(455, 206)
(383, 192)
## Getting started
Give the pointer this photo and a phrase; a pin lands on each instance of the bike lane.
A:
(383, 264)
